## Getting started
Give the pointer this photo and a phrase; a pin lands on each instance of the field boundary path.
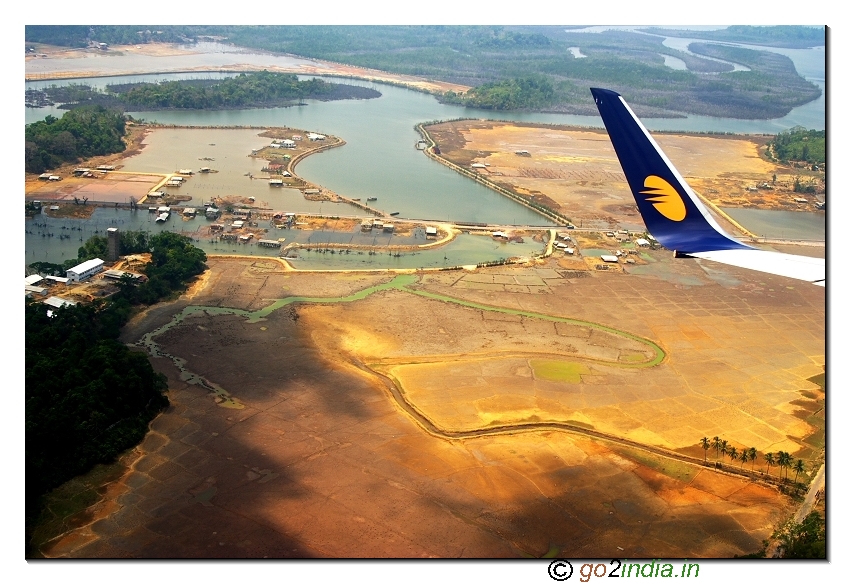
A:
(401, 283)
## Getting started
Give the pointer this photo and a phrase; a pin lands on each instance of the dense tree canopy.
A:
(532, 92)
(799, 145)
(80, 35)
(89, 397)
(79, 133)
(245, 90)
(263, 89)
(805, 540)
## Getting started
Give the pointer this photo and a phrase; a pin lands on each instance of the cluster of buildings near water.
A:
(66, 289)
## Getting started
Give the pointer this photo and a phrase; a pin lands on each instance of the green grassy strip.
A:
(659, 352)
(400, 283)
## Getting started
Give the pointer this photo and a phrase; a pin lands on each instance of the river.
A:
(379, 159)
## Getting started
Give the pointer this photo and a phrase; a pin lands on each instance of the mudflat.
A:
(501, 412)
(576, 172)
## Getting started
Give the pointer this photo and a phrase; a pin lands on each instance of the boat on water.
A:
(395, 214)
(372, 198)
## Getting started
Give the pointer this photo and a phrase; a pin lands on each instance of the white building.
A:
(55, 302)
(85, 270)
(119, 274)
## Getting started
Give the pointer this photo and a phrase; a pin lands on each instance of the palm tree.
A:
(753, 456)
(784, 462)
(733, 453)
(715, 442)
(745, 457)
(768, 458)
(724, 447)
(705, 445)
(799, 466)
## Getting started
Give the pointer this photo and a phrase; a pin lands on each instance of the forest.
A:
(524, 92)
(799, 145)
(88, 396)
(80, 133)
(262, 89)
(501, 57)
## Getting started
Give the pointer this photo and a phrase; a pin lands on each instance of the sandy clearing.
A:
(578, 170)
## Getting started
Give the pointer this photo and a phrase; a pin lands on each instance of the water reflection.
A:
(56, 240)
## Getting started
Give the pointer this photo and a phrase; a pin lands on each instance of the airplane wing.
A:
(809, 269)
(671, 209)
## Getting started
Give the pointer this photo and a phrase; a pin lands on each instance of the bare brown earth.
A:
(576, 172)
(98, 186)
(297, 447)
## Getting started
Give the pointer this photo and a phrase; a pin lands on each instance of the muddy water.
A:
(778, 224)
(227, 153)
(57, 240)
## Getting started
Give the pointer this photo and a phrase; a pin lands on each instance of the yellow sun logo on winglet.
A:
(664, 198)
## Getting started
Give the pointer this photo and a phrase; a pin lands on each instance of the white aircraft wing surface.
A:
(810, 269)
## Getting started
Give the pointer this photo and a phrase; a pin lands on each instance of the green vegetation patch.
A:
(532, 92)
(81, 133)
(800, 145)
(805, 540)
(260, 89)
(558, 370)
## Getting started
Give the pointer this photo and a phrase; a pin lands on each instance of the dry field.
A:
(287, 438)
(577, 172)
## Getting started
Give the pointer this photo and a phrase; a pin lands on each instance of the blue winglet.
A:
(671, 210)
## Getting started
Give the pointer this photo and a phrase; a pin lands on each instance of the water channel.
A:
(378, 160)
